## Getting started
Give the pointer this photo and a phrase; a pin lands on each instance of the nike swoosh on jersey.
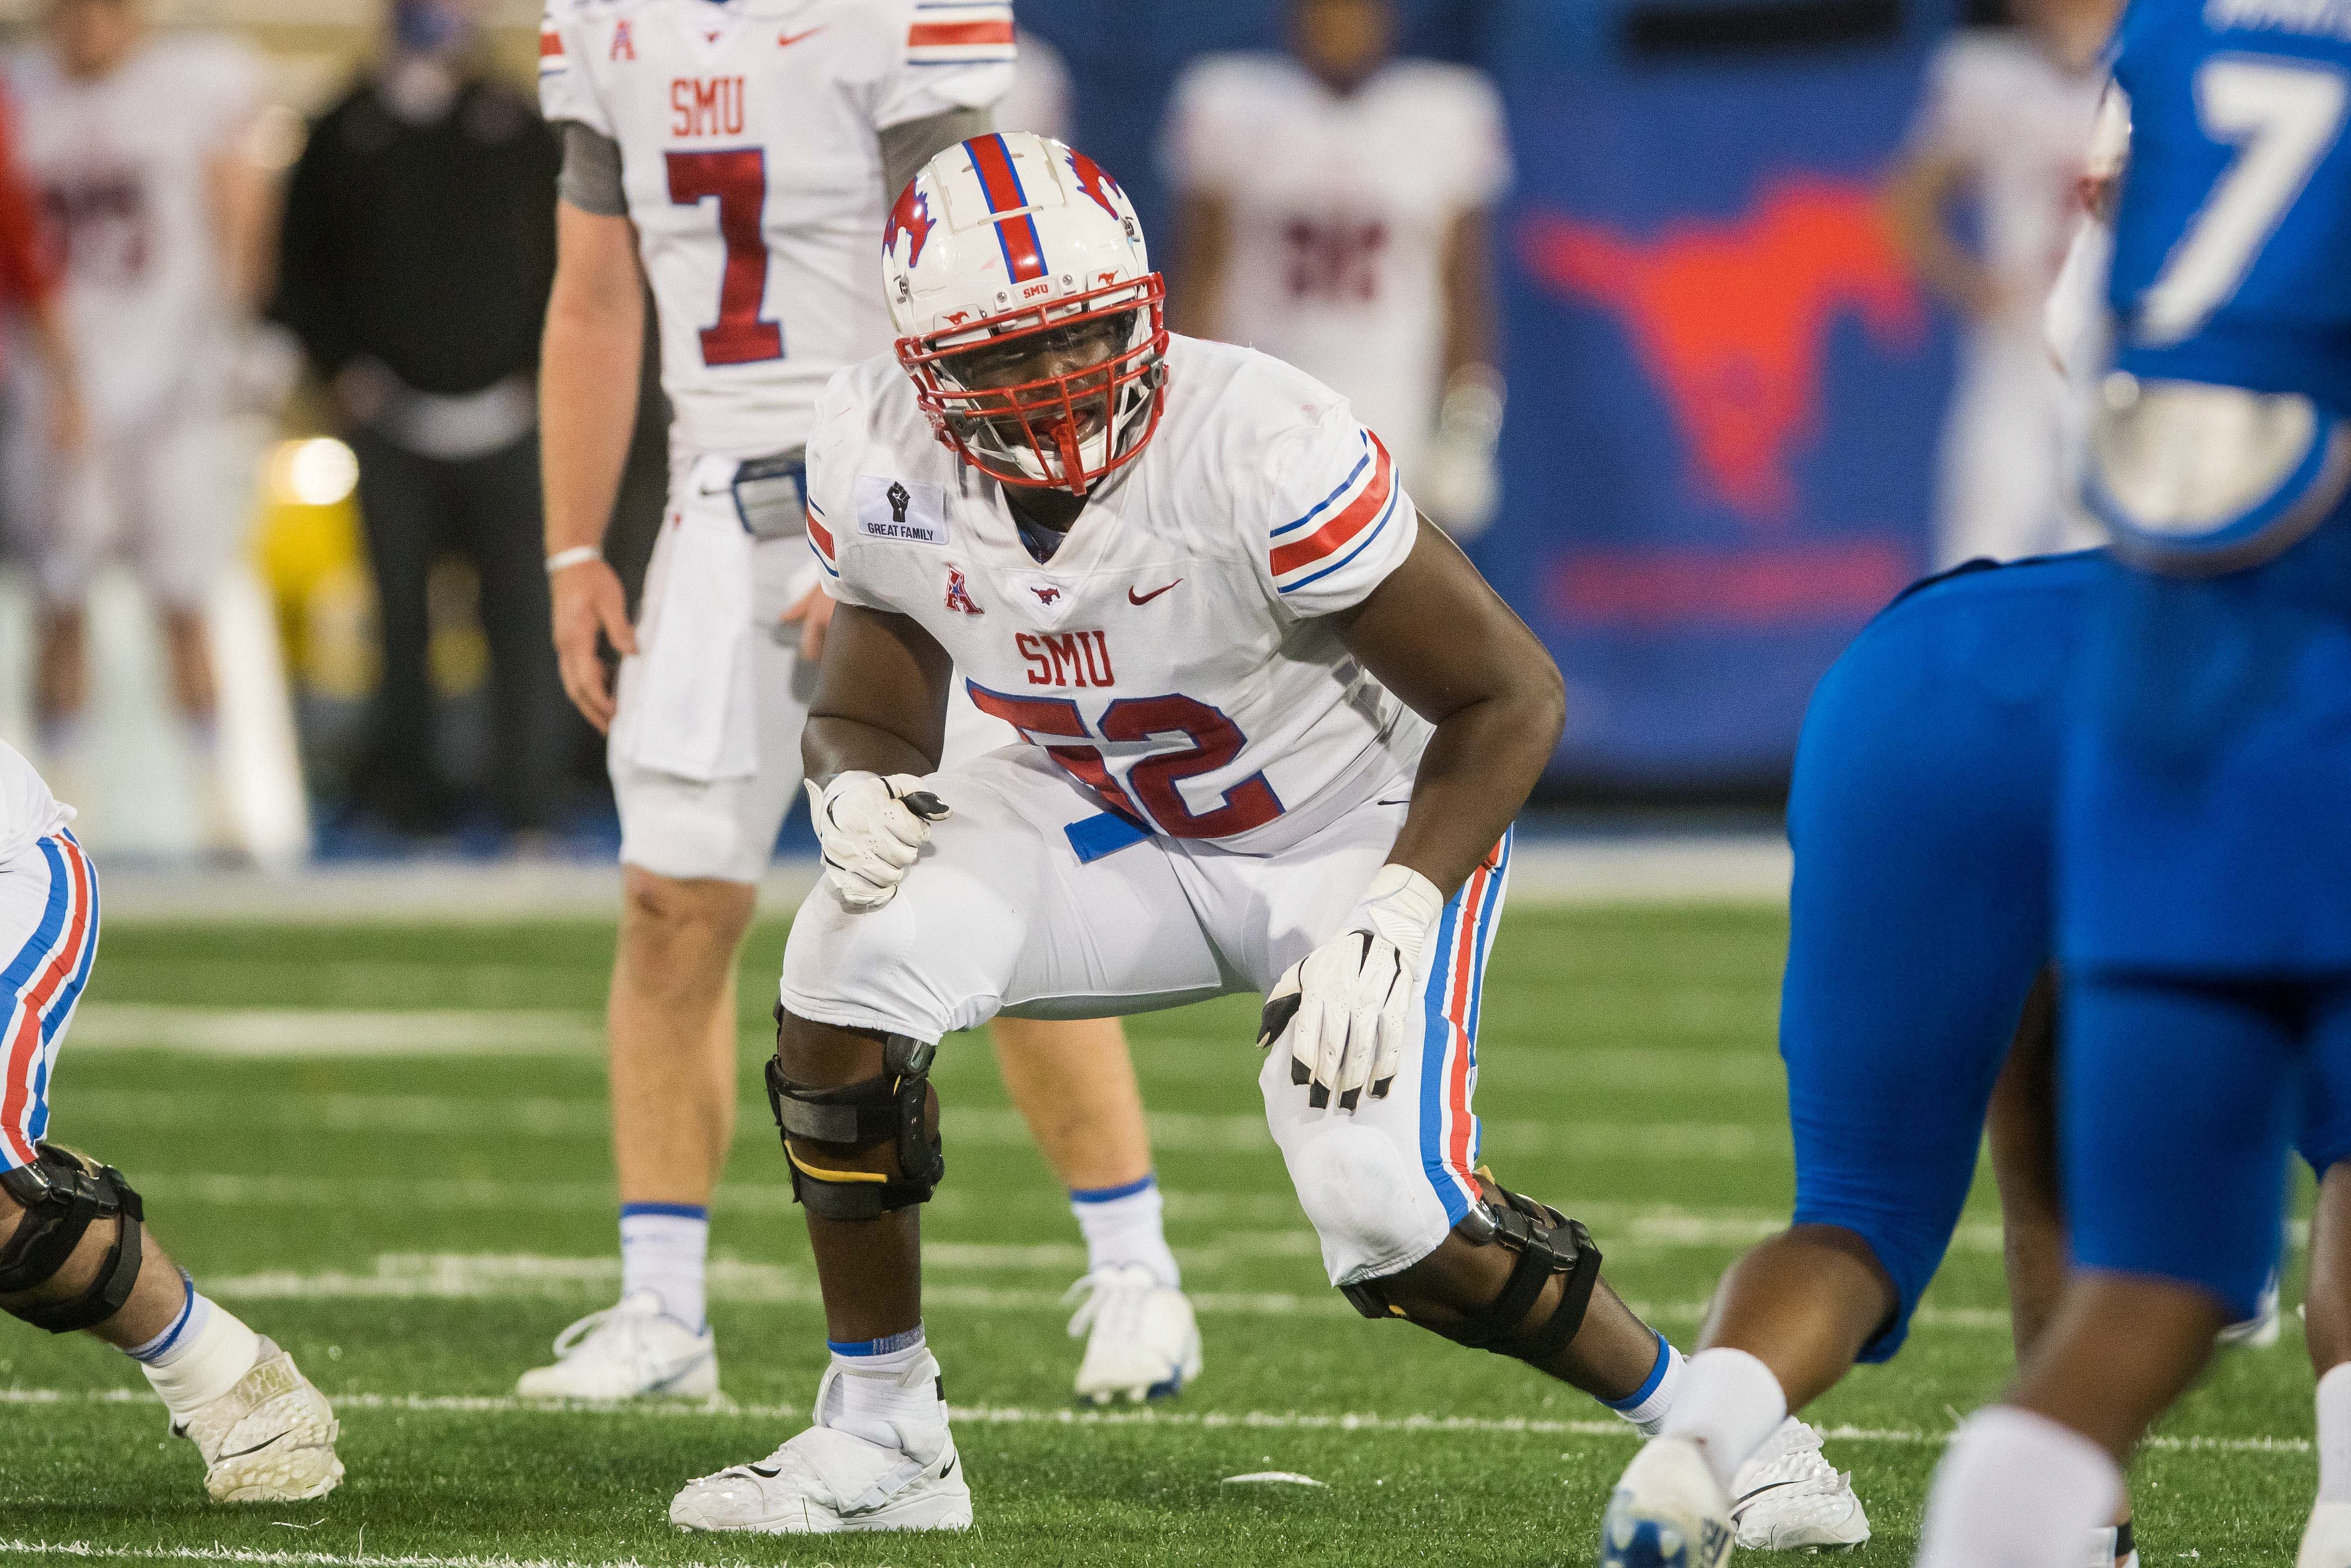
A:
(1132, 598)
(785, 40)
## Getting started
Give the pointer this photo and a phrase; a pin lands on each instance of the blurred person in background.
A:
(2005, 126)
(1336, 204)
(1041, 99)
(415, 263)
(29, 277)
(745, 164)
(143, 147)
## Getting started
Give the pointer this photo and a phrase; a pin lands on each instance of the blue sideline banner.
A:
(1724, 397)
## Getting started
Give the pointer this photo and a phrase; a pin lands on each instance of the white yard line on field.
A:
(1648, 1226)
(456, 1276)
(539, 1116)
(329, 1032)
(98, 1551)
(1020, 1415)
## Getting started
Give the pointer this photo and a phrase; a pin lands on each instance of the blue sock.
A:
(663, 1246)
(1646, 1405)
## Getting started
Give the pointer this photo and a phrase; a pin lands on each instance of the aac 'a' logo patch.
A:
(890, 509)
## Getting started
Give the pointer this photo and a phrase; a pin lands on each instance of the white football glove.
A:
(1346, 1007)
(871, 828)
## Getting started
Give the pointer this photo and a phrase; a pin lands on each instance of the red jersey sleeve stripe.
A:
(1351, 520)
(935, 35)
(821, 536)
(550, 43)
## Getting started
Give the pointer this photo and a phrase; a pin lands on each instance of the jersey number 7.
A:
(736, 179)
(2281, 119)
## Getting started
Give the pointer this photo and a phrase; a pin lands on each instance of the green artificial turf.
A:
(415, 1227)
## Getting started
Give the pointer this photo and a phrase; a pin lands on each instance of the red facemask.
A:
(1110, 402)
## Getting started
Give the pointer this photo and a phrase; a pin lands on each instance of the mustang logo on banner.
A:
(1725, 392)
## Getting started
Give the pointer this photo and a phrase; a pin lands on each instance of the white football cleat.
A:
(632, 1350)
(1668, 1512)
(2261, 1330)
(1787, 1498)
(825, 1481)
(2111, 1547)
(1142, 1342)
(271, 1439)
(2326, 1538)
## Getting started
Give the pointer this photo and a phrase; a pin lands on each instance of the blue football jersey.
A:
(2233, 240)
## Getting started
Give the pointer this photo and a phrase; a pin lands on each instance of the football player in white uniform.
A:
(142, 149)
(741, 158)
(75, 1253)
(1277, 733)
(2006, 123)
(1337, 205)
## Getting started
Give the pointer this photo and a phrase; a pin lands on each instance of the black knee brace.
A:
(62, 1193)
(890, 1109)
(1546, 1242)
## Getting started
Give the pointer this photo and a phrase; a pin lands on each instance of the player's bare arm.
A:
(587, 404)
(880, 700)
(1439, 637)
(876, 726)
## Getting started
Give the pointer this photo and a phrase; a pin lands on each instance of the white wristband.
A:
(578, 555)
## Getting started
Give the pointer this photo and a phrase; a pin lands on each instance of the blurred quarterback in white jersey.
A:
(2005, 126)
(741, 158)
(140, 147)
(1335, 207)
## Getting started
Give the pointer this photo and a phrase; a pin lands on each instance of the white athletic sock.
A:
(2335, 1434)
(664, 1248)
(1646, 1405)
(1126, 1225)
(2017, 1491)
(199, 1358)
(1727, 1403)
(884, 1386)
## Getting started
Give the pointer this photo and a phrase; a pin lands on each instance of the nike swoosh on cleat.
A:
(1746, 1497)
(255, 1450)
(1132, 598)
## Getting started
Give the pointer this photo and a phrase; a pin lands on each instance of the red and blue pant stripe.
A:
(39, 987)
(1449, 1056)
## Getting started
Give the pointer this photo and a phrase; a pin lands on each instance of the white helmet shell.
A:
(999, 224)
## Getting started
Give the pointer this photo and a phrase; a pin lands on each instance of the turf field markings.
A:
(1643, 1225)
(987, 1126)
(458, 1276)
(1058, 1415)
(97, 1550)
(329, 1032)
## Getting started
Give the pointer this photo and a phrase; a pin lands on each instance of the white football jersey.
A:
(751, 160)
(1171, 655)
(28, 810)
(121, 165)
(1341, 209)
(2022, 123)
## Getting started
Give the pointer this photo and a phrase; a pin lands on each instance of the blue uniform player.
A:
(2202, 843)
(1921, 945)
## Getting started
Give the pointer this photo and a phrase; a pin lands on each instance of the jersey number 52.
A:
(736, 179)
(1150, 795)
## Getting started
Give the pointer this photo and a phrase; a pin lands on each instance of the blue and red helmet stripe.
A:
(1024, 249)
